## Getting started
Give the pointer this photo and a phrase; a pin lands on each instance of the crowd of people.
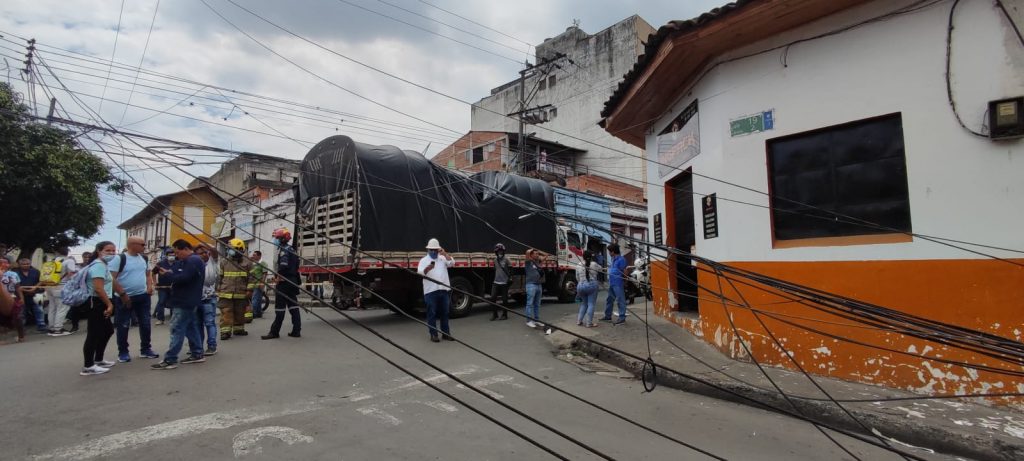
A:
(433, 268)
(195, 283)
(192, 282)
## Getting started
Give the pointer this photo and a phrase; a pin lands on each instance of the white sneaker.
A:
(105, 363)
(547, 331)
(93, 370)
(530, 324)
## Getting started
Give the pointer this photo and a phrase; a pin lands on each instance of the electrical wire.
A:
(476, 23)
(917, 6)
(414, 26)
(117, 33)
(141, 60)
(406, 350)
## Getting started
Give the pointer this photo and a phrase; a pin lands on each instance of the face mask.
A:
(232, 253)
(108, 258)
(501, 254)
(171, 257)
(432, 254)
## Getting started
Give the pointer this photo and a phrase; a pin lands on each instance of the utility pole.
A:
(543, 66)
(30, 76)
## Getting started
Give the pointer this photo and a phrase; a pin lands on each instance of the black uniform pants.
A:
(286, 299)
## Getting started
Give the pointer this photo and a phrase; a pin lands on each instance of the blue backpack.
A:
(77, 290)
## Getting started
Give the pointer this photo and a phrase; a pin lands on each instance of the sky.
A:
(196, 65)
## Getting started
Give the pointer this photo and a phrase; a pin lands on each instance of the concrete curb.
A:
(903, 430)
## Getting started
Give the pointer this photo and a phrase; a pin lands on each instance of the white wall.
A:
(961, 186)
(580, 92)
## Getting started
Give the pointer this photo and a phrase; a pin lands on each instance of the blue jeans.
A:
(123, 321)
(206, 322)
(437, 309)
(587, 301)
(257, 302)
(183, 325)
(533, 293)
(615, 293)
(161, 303)
(37, 310)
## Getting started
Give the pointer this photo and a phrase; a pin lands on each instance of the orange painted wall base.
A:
(983, 295)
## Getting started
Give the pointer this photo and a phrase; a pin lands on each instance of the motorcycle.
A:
(638, 283)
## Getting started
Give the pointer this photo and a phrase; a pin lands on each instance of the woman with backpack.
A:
(100, 308)
(586, 289)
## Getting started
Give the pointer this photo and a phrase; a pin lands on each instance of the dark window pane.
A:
(825, 182)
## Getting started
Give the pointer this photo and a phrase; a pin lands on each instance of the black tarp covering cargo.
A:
(405, 199)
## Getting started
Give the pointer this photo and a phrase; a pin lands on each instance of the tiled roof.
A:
(655, 40)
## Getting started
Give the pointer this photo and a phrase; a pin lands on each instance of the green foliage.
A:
(49, 185)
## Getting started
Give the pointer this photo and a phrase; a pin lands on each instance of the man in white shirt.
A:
(436, 291)
(57, 310)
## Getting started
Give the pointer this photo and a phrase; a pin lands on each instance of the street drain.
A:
(592, 365)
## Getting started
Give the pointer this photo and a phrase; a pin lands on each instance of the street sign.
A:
(657, 229)
(710, 206)
(754, 123)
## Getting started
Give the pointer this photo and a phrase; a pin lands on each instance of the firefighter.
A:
(234, 290)
(286, 288)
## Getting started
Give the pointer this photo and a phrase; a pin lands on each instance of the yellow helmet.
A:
(237, 244)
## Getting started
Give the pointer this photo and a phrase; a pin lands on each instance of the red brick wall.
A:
(605, 186)
(457, 151)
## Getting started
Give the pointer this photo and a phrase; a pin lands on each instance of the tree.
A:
(49, 185)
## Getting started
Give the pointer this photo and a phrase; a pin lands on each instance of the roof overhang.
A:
(678, 52)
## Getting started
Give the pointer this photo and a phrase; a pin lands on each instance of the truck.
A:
(365, 214)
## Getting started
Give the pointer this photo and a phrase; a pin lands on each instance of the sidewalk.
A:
(951, 426)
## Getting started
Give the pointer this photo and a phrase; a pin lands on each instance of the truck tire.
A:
(567, 288)
(461, 302)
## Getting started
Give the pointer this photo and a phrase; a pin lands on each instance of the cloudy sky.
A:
(195, 64)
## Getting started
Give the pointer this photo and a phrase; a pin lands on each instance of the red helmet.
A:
(282, 234)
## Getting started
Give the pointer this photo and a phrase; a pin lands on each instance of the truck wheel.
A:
(461, 302)
(567, 289)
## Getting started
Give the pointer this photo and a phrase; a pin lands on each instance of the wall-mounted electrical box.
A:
(1006, 118)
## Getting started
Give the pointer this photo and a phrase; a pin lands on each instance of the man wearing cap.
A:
(436, 288)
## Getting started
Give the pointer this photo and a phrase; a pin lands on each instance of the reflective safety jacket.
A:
(236, 278)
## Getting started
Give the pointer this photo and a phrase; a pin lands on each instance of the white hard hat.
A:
(433, 244)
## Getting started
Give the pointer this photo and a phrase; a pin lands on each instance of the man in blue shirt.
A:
(186, 279)
(616, 284)
(131, 269)
(30, 278)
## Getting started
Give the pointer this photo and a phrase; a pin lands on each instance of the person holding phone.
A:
(436, 288)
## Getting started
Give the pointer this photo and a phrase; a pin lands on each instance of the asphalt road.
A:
(323, 397)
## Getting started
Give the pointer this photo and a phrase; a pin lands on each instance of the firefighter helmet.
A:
(499, 247)
(237, 245)
(282, 234)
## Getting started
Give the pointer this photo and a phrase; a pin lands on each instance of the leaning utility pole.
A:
(30, 76)
(522, 110)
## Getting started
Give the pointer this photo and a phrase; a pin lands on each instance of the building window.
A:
(542, 84)
(551, 81)
(478, 154)
(552, 114)
(822, 178)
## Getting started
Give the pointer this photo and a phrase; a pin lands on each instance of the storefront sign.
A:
(680, 142)
(710, 206)
(657, 229)
(754, 123)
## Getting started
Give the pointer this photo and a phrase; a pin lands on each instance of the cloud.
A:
(190, 42)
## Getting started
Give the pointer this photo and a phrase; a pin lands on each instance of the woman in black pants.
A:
(100, 308)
